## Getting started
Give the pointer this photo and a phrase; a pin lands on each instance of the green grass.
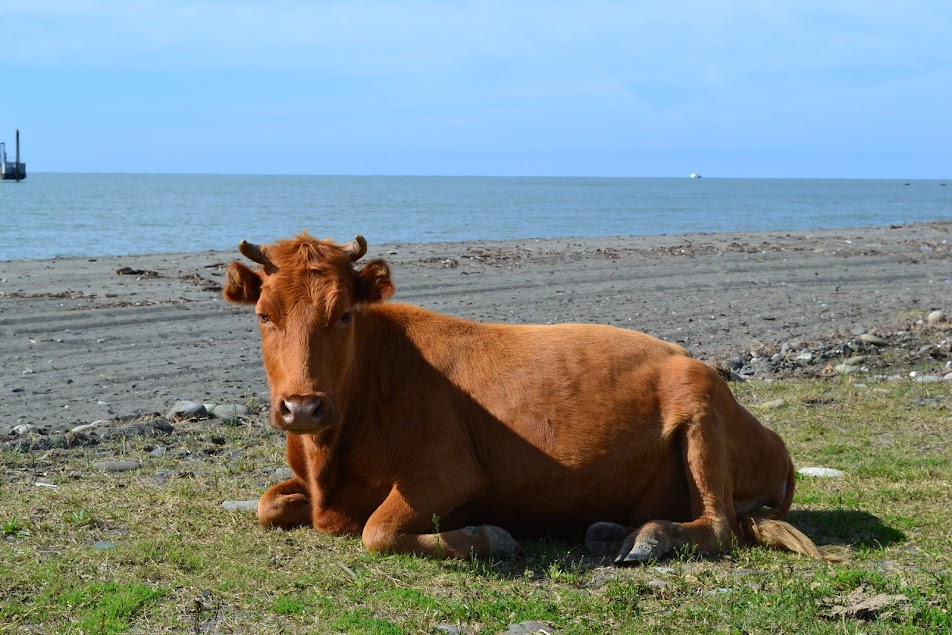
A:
(181, 564)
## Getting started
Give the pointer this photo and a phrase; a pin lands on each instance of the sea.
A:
(76, 215)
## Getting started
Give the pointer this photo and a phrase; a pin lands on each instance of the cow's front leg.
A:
(402, 526)
(285, 505)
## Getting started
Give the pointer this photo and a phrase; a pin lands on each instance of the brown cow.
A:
(427, 434)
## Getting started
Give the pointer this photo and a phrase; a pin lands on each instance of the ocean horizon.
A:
(51, 215)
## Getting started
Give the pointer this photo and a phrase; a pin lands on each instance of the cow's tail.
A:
(773, 533)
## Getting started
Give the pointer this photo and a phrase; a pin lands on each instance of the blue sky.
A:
(745, 88)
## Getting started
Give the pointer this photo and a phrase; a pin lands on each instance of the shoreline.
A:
(83, 343)
(652, 238)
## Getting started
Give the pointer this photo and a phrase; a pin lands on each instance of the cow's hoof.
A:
(501, 542)
(641, 551)
(603, 539)
(651, 542)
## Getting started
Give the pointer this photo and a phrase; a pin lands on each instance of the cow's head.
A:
(308, 295)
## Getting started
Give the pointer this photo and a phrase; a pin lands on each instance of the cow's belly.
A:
(558, 500)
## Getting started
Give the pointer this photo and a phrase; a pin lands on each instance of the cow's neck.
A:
(323, 469)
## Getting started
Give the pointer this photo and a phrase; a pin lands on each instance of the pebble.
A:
(87, 427)
(229, 411)
(283, 474)
(159, 451)
(846, 369)
(118, 466)
(530, 627)
(449, 629)
(657, 584)
(856, 360)
(875, 340)
(774, 403)
(102, 545)
(24, 429)
(859, 330)
(928, 379)
(936, 317)
(240, 506)
(187, 410)
(821, 472)
(805, 357)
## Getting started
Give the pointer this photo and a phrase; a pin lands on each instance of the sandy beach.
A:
(86, 339)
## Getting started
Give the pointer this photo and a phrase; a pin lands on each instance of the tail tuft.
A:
(782, 536)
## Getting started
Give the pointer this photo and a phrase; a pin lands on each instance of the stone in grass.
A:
(103, 545)
(936, 317)
(774, 403)
(875, 340)
(187, 410)
(118, 466)
(821, 472)
(230, 411)
(530, 627)
(240, 506)
(847, 369)
(88, 427)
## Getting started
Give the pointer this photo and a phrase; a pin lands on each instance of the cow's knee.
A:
(284, 508)
(379, 540)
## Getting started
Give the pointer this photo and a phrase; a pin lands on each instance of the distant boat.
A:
(695, 175)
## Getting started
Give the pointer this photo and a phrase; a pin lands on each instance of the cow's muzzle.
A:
(304, 414)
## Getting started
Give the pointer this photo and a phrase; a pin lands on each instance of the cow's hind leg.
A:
(285, 505)
(707, 466)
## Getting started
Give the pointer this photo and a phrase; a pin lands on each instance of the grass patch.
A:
(175, 562)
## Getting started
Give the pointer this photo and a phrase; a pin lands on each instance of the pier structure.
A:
(11, 170)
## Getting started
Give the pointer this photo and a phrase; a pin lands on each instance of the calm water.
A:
(51, 215)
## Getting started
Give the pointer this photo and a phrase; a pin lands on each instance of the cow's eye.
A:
(346, 317)
(264, 318)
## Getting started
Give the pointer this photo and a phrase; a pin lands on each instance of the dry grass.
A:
(181, 564)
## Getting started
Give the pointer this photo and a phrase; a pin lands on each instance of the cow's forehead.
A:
(306, 289)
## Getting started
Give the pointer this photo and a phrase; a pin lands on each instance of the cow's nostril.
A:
(316, 406)
(284, 409)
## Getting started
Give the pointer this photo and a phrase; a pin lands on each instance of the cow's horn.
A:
(356, 248)
(253, 252)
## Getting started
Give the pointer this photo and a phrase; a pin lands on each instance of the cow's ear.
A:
(374, 283)
(243, 285)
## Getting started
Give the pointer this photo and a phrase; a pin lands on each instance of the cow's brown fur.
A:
(402, 419)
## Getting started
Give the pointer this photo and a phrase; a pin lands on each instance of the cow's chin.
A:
(312, 428)
(315, 430)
